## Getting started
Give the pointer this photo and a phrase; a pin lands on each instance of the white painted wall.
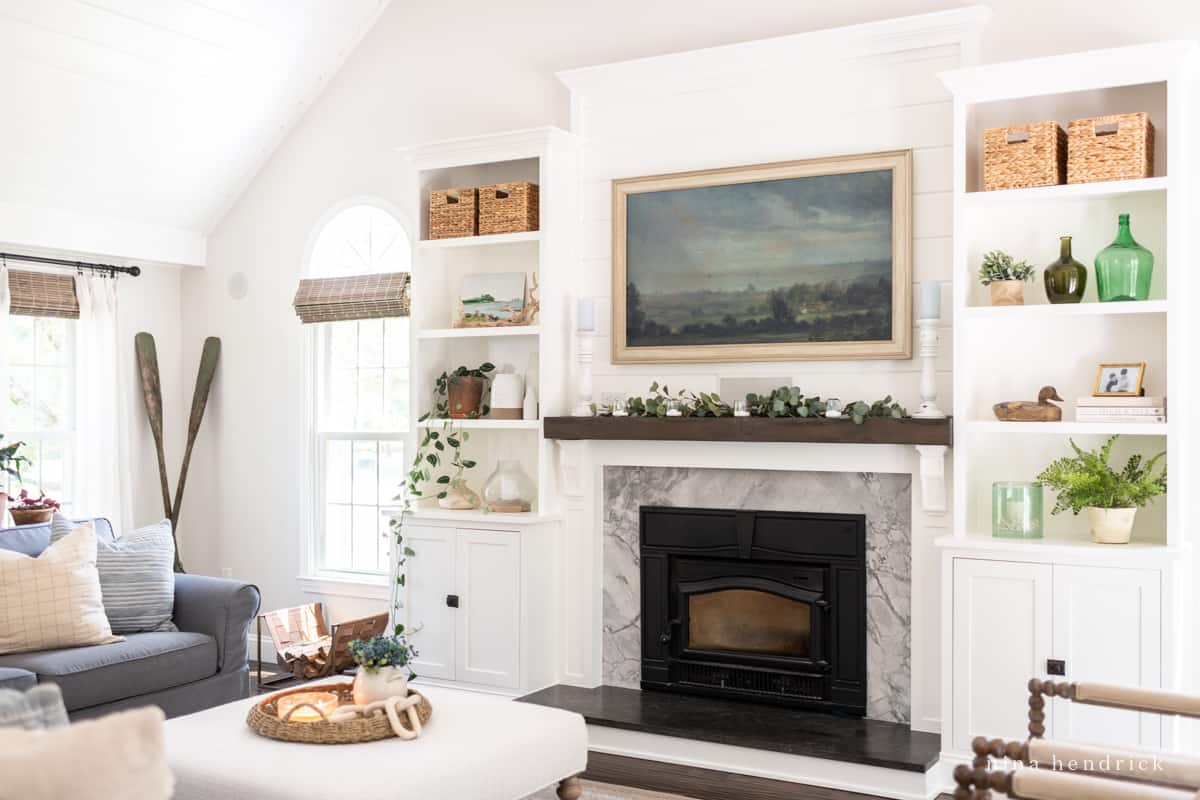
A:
(432, 72)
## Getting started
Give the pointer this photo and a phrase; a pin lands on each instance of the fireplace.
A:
(760, 605)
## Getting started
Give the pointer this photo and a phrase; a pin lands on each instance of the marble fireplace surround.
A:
(885, 499)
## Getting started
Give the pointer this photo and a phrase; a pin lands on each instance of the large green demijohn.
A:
(1123, 269)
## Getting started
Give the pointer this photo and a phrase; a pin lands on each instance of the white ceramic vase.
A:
(380, 684)
(1111, 525)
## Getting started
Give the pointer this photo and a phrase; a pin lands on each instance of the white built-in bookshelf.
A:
(1063, 607)
(547, 157)
(1008, 353)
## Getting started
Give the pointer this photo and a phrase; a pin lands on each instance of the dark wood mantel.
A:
(752, 429)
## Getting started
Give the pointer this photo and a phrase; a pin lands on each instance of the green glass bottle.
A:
(1066, 278)
(1123, 268)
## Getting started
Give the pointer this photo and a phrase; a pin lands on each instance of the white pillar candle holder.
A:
(927, 352)
(583, 354)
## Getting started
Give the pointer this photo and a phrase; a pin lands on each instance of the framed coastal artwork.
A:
(789, 261)
(494, 299)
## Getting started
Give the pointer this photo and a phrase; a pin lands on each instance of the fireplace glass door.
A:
(749, 621)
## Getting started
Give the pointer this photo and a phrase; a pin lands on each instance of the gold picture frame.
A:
(1110, 377)
(897, 305)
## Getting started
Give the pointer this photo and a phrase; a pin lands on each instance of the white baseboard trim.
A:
(826, 773)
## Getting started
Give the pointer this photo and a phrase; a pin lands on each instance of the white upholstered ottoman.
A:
(476, 747)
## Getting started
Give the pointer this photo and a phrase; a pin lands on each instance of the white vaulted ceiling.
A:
(151, 116)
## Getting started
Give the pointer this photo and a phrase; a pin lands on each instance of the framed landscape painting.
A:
(789, 261)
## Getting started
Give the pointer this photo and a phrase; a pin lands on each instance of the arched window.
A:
(360, 396)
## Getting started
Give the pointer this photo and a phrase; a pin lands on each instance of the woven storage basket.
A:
(453, 213)
(264, 720)
(1111, 148)
(1021, 156)
(508, 208)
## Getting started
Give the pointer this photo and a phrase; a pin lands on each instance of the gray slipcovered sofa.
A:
(202, 665)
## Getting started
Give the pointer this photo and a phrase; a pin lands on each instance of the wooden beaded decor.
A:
(264, 719)
(508, 208)
(453, 213)
(1022, 156)
(1116, 147)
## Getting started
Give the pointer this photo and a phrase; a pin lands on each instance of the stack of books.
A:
(1121, 409)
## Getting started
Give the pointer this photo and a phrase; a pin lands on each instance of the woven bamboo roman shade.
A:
(42, 294)
(355, 297)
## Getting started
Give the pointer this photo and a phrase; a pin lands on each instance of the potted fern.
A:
(1086, 482)
(1005, 277)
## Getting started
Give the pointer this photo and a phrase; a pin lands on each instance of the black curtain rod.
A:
(78, 265)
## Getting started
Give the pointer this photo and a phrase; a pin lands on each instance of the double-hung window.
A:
(40, 407)
(360, 398)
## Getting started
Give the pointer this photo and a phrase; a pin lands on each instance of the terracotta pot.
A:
(465, 396)
(1111, 525)
(39, 516)
(380, 684)
(1007, 293)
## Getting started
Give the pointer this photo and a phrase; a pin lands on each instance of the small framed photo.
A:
(1119, 380)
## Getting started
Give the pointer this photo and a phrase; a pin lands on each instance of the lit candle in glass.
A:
(833, 408)
(739, 409)
(306, 706)
(620, 409)
(673, 409)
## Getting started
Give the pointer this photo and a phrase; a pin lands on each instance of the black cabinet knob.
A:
(452, 600)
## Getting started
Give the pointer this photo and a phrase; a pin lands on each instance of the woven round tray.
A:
(264, 720)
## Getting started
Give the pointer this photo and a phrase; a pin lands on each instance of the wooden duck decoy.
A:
(1024, 411)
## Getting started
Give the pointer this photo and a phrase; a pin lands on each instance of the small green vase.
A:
(1123, 268)
(1066, 278)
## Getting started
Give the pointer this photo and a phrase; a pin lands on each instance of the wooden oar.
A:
(147, 357)
(204, 379)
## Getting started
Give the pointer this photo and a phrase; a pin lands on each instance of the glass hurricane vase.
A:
(1017, 510)
(509, 489)
(1123, 269)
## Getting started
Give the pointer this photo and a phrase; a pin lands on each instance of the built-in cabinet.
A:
(479, 602)
(1015, 620)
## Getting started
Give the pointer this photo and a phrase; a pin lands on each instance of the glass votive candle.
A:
(308, 706)
(833, 408)
(1017, 510)
(673, 409)
(740, 409)
(620, 409)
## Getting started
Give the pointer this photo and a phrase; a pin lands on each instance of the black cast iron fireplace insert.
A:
(760, 605)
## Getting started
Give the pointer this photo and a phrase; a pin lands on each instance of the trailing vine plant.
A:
(785, 401)
(437, 450)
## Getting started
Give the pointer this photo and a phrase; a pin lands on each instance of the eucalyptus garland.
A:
(785, 401)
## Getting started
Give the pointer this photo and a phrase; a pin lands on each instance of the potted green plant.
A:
(460, 393)
(383, 667)
(1005, 278)
(10, 464)
(29, 510)
(1086, 482)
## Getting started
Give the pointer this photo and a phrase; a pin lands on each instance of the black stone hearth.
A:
(755, 725)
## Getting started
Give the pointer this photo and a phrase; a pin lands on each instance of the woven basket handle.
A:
(1105, 128)
(288, 716)
(1016, 137)
(451, 198)
(501, 194)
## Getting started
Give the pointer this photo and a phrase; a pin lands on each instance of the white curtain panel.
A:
(102, 474)
(5, 304)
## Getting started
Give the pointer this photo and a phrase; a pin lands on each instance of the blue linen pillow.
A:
(137, 576)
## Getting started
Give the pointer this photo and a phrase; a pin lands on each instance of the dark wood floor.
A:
(705, 784)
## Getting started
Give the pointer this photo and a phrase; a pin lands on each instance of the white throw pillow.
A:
(117, 757)
(53, 600)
